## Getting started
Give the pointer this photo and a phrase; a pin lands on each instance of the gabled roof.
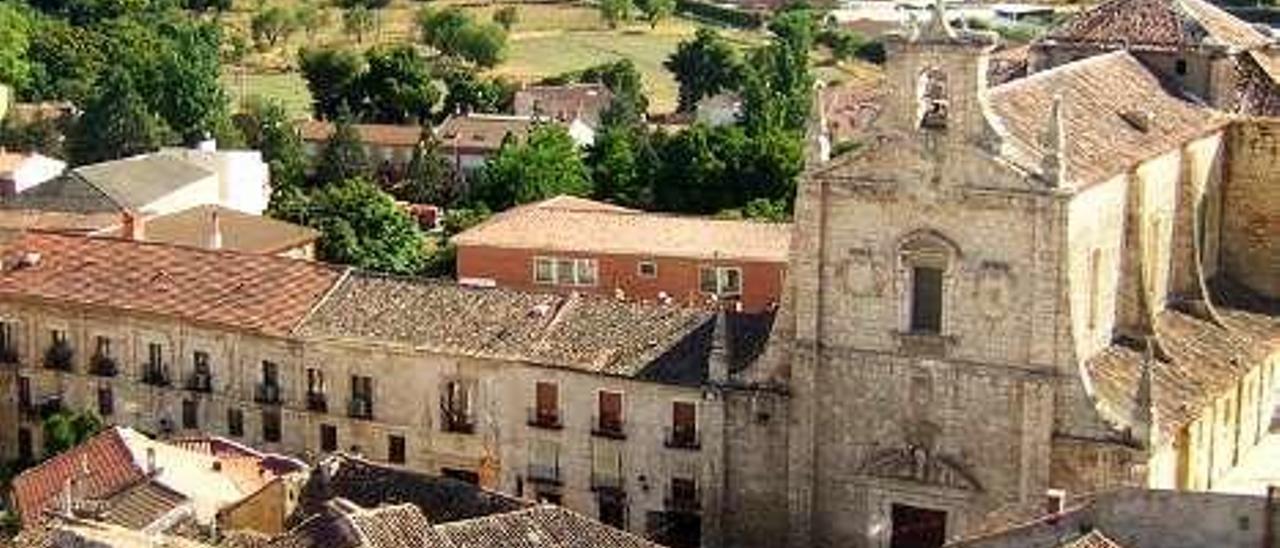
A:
(482, 133)
(126, 184)
(1116, 113)
(543, 526)
(1092, 539)
(573, 225)
(369, 485)
(141, 504)
(240, 231)
(262, 293)
(1158, 24)
(95, 469)
(584, 101)
(390, 135)
(583, 332)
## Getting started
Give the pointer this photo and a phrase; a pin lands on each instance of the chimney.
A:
(151, 461)
(133, 227)
(213, 240)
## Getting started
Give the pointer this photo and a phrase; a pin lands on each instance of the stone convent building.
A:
(1009, 294)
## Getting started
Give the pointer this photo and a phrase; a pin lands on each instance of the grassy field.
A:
(548, 39)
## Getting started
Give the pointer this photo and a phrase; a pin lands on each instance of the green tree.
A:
(193, 101)
(440, 28)
(357, 21)
(116, 123)
(65, 62)
(429, 179)
(616, 12)
(397, 85)
(621, 166)
(311, 18)
(777, 89)
(362, 226)
(15, 32)
(545, 165)
(703, 67)
(272, 25)
(343, 156)
(482, 44)
(333, 77)
(657, 10)
(469, 92)
(66, 429)
(267, 128)
(507, 16)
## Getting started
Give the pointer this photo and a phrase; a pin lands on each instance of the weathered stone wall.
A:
(1251, 205)
(755, 508)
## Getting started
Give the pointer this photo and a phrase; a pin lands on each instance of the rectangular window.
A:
(328, 438)
(564, 271)
(200, 361)
(926, 299)
(25, 454)
(544, 270)
(271, 425)
(155, 355)
(190, 414)
(57, 336)
(609, 413)
(106, 402)
(544, 464)
(315, 381)
(8, 340)
(546, 404)
(235, 422)
(606, 466)
(647, 269)
(24, 392)
(102, 346)
(722, 281)
(684, 425)
(270, 373)
(361, 397)
(455, 407)
(395, 449)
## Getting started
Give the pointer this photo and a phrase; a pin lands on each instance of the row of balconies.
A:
(683, 498)
(613, 427)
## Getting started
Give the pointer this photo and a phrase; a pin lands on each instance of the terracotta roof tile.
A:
(543, 526)
(371, 134)
(552, 226)
(1116, 114)
(1158, 24)
(583, 332)
(99, 467)
(1092, 539)
(141, 505)
(261, 293)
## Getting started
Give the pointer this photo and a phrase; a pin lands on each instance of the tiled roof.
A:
(126, 184)
(588, 333)
(370, 485)
(481, 132)
(1158, 24)
(1092, 539)
(543, 526)
(57, 221)
(370, 134)
(240, 231)
(564, 103)
(255, 292)
(97, 468)
(1115, 113)
(398, 526)
(550, 226)
(1195, 361)
(141, 504)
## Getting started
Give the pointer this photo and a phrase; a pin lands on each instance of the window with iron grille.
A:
(235, 422)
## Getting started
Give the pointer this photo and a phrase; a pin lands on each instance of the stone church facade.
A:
(1009, 294)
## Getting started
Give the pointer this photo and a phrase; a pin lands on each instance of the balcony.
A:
(360, 408)
(683, 438)
(545, 474)
(200, 382)
(9, 356)
(457, 421)
(156, 374)
(39, 411)
(545, 418)
(608, 427)
(103, 366)
(609, 482)
(268, 393)
(59, 356)
(317, 402)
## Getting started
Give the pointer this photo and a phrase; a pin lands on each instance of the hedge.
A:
(734, 17)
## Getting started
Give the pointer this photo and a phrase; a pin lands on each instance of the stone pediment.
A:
(917, 465)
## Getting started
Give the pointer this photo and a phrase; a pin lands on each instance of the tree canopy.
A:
(362, 226)
(546, 164)
(115, 124)
(66, 429)
(703, 67)
(397, 86)
(453, 32)
(343, 156)
(333, 78)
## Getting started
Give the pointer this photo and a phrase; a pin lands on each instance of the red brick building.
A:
(572, 244)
